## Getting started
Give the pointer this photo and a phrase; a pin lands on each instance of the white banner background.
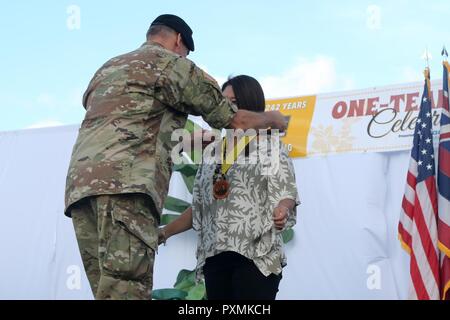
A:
(370, 120)
(345, 244)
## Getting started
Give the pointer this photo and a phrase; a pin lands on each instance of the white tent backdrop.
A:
(345, 244)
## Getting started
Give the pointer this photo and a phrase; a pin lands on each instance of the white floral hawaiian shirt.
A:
(243, 222)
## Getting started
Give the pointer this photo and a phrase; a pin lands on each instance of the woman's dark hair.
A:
(249, 93)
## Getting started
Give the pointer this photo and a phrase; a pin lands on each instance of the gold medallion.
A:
(221, 189)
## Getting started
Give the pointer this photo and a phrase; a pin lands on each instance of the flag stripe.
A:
(446, 135)
(417, 280)
(430, 184)
(426, 270)
(408, 208)
(406, 221)
(411, 179)
(413, 169)
(405, 237)
(427, 235)
(410, 194)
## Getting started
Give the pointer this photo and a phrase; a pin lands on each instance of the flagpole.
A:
(427, 57)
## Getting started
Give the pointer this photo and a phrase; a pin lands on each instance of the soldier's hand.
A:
(278, 121)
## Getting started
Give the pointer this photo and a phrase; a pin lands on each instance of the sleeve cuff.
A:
(222, 116)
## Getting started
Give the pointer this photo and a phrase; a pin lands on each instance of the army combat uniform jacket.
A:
(133, 104)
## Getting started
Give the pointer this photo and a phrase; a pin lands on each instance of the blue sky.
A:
(292, 47)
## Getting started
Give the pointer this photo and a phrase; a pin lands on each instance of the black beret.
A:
(179, 25)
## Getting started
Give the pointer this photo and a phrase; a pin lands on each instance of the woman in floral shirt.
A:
(240, 248)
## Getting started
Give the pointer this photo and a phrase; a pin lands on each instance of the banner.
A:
(372, 120)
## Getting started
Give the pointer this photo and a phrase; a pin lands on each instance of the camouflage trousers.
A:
(117, 237)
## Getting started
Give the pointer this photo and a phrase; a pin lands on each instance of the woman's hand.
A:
(181, 224)
(280, 216)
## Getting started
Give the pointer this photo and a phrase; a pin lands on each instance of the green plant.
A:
(185, 288)
(287, 235)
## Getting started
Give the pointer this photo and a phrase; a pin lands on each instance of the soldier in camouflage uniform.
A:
(119, 173)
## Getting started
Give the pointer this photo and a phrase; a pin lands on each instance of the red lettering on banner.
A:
(372, 103)
(356, 108)
(408, 103)
(411, 102)
(339, 110)
(396, 100)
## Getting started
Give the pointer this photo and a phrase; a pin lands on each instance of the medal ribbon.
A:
(230, 159)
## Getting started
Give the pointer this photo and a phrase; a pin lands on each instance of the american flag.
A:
(418, 221)
(444, 190)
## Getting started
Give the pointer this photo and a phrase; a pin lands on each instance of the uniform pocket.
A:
(127, 256)
(130, 241)
(134, 214)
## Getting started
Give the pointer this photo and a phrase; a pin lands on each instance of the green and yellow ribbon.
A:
(229, 159)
